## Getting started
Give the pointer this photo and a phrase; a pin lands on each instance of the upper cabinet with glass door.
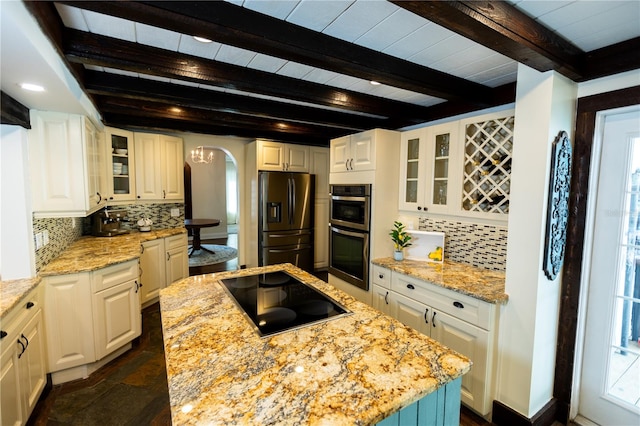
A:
(426, 179)
(120, 169)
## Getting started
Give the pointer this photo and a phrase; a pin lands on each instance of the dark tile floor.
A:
(132, 390)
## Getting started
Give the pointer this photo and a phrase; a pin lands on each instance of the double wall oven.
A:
(350, 215)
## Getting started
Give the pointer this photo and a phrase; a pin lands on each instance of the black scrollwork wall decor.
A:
(558, 205)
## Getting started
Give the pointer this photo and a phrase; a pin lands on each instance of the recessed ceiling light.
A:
(375, 83)
(32, 87)
(175, 109)
(202, 39)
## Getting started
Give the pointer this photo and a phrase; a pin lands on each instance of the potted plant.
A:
(400, 238)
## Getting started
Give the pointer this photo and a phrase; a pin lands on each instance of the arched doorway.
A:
(212, 192)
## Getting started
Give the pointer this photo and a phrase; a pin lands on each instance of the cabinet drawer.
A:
(27, 306)
(114, 275)
(463, 307)
(175, 241)
(381, 276)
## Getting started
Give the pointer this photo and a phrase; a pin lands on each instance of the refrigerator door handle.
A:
(293, 200)
(289, 201)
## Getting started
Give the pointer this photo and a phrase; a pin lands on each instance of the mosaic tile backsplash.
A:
(484, 246)
(64, 231)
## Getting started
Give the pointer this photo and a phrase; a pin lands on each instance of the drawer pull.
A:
(386, 298)
(426, 316)
(433, 319)
(30, 305)
(410, 287)
(458, 305)
(3, 334)
(381, 276)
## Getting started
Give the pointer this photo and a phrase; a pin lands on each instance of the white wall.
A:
(545, 105)
(17, 257)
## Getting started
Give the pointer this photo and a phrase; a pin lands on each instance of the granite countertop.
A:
(85, 254)
(480, 283)
(13, 291)
(353, 370)
(91, 253)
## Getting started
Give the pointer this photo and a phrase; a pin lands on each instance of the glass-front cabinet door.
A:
(413, 153)
(120, 169)
(441, 146)
(426, 155)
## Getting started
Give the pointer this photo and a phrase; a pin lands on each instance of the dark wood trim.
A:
(505, 415)
(13, 112)
(587, 109)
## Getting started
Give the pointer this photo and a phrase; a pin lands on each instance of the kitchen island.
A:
(360, 368)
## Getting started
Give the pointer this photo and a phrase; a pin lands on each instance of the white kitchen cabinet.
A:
(89, 316)
(428, 169)
(116, 307)
(177, 259)
(22, 360)
(465, 324)
(69, 320)
(159, 167)
(152, 270)
(120, 150)
(278, 156)
(319, 166)
(353, 152)
(67, 165)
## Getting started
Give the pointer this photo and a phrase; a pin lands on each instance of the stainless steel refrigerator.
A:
(285, 226)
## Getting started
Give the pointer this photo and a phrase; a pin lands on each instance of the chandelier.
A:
(198, 156)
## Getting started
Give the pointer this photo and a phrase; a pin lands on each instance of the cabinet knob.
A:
(419, 208)
(3, 334)
(410, 287)
(381, 276)
(29, 305)
(458, 305)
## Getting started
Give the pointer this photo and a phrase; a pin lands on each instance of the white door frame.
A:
(588, 247)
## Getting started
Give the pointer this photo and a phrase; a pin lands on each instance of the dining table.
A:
(195, 225)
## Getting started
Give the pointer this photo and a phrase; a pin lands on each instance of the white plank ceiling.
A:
(384, 27)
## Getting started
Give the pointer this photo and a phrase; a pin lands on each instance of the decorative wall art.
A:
(558, 205)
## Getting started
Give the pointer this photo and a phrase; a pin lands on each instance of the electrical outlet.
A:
(38, 240)
(175, 212)
(45, 237)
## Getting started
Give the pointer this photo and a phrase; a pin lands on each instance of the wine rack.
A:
(487, 166)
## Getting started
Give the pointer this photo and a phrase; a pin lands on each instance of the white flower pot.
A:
(398, 254)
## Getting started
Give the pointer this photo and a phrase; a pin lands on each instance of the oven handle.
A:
(343, 198)
(349, 233)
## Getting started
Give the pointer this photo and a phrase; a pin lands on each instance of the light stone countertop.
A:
(12, 292)
(352, 370)
(85, 254)
(91, 253)
(476, 282)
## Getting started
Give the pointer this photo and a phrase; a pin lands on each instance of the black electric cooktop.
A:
(277, 302)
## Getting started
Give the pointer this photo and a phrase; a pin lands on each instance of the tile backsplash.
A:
(64, 231)
(481, 245)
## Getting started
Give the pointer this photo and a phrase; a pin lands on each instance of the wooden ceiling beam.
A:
(501, 27)
(92, 49)
(160, 111)
(241, 27)
(13, 112)
(109, 84)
